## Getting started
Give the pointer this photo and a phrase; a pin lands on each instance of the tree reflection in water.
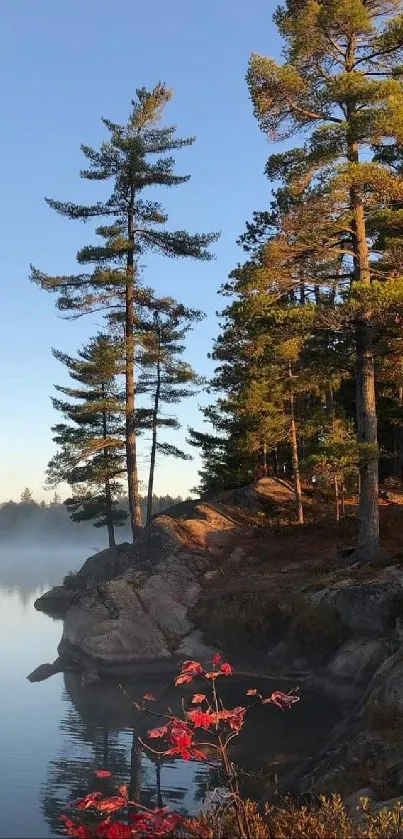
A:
(96, 732)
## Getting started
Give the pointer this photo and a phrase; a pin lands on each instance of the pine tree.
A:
(134, 158)
(91, 444)
(26, 496)
(341, 82)
(165, 377)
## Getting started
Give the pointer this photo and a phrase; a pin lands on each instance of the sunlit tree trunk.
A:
(294, 451)
(131, 443)
(154, 432)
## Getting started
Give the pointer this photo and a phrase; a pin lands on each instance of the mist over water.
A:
(27, 571)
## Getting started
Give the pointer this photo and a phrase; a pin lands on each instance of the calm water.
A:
(55, 734)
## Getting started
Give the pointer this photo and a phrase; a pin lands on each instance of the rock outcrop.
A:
(127, 609)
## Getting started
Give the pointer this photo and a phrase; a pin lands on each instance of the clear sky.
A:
(63, 65)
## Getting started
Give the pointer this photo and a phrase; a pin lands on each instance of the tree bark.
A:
(264, 459)
(108, 495)
(294, 451)
(131, 442)
(154, 431)
(275, 459)
(336, 499)
(368, 512)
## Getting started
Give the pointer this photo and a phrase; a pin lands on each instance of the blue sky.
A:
(63, 66)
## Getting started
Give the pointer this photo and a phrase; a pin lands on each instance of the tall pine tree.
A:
(340, 83)
(135, 157)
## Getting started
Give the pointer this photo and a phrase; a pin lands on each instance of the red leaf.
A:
(198, 697)
(192, 667)
(251, 692)
(235, 717)
(103, 773)
(281, 700)
(201, 719)
(226, 669)
(86, 802)
(216, 659)
(79, 831)
(158, 732)
(149, 697)
(213, 674)
(183, 679)
(109, 805)
(113, 830)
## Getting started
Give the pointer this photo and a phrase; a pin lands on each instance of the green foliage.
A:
(260, 619)
(90, 455)
(317, 631)
(385, 717)
(244, 618)
(135, 157)
(26, 496)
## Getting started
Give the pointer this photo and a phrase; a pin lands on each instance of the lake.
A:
(55, 734)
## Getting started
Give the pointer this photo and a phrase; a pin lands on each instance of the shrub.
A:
(385, 717)
(70, 580)
(318, 631)
(249, 619)
(328, 820)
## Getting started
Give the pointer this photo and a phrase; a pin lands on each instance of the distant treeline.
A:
(49, 524)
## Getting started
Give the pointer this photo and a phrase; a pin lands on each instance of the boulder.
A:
(138, 619)
(356, 661)
(386, 687)
(365, 606)
(104, 566)
(55, 602)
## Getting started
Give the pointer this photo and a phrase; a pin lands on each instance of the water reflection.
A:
(27, 573)
(96, 729)
(55, 734)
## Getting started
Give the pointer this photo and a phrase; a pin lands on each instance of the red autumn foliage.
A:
(158, 732)
(88, 801)
(183, 679)
(216, 659)
(221, 725)
(198, 697)
(201, 719)
(284, 701)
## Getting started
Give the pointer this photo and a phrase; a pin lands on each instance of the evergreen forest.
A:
(308, 379)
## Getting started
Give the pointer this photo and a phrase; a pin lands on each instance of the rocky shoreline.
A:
(130, 610)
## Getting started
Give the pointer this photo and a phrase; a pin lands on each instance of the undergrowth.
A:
(259, 620)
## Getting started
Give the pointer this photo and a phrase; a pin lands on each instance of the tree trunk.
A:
(154, 432)
(275, 459)
(131, 447)
(108, 495)
(336, 499)
(294, 451)
(264, 459)
(160, 802)
(135, 775)
(368, 513)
